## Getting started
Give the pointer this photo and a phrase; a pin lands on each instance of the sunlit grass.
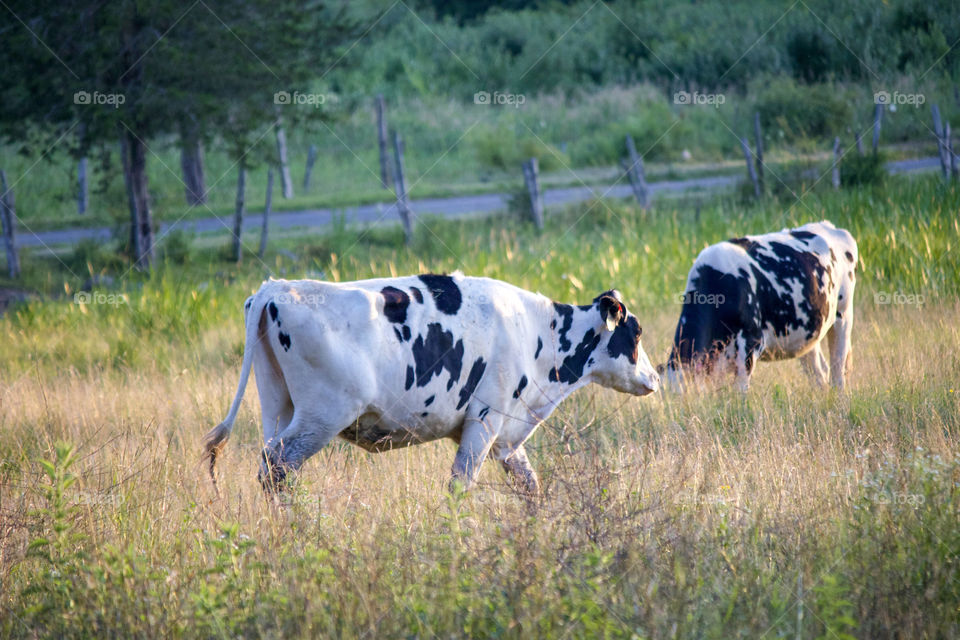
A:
(706, 515)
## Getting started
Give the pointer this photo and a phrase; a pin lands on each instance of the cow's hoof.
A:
(272, 475)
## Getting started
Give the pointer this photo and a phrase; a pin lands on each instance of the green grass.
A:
(709, 515)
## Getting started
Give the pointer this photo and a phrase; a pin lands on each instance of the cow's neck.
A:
(564, 365)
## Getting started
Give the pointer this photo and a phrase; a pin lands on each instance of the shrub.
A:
(798, 110)
(868, 169)
(501, 149)
(175, 246)
(93, 257)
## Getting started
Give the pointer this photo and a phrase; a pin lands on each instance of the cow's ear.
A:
(612, 311)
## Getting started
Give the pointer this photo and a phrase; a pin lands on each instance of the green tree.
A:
(141, 71)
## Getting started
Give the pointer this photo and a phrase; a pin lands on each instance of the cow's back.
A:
(409, 351)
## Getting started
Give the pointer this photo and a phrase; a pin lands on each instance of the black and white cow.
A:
(389, 363)
(768, 297)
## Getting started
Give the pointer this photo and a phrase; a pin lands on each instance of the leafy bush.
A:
(93, 257)
(500, 149)
(867, 169)
(799, 110)
(174, 247)
(809, 52)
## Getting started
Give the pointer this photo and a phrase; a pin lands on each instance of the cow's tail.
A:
(215, 440)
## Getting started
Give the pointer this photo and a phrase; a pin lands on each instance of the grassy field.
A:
(786, 512)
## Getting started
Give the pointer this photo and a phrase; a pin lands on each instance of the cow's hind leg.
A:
(518, 467)
(276, 406)
(306, 434)
(816, 366)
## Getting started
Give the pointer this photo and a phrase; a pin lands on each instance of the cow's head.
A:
(621, 362)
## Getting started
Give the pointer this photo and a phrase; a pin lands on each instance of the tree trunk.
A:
(286, 182)
(403, 205)
(82, 189)
(8, 216)
(238, 213)
(266, 213)
(134, 152)
(382, 141)
(191, 165)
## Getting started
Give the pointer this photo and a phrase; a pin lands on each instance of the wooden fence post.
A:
(82, 191)
(635, 173)
(942, 150)
(266, 212)
(403, 204)
(311, 159)
(531, 172)
(8, 216)
(954, 159)
(877, 118)
(382, 141)
(835, 170)
(286, 182)
(751, 169)
(758, 136)
(238, 213)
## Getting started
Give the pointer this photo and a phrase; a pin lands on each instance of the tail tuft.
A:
(213, 444)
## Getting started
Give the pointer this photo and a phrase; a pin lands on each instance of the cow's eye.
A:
(639, 332)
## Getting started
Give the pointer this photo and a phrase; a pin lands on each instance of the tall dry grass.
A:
(788, 511)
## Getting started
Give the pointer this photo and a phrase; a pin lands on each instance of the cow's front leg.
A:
(478, 436)
(841, 355)
(518, 467)
(816, 366)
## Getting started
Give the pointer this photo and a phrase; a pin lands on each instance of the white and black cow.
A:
(388, 363)
(768, 297)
